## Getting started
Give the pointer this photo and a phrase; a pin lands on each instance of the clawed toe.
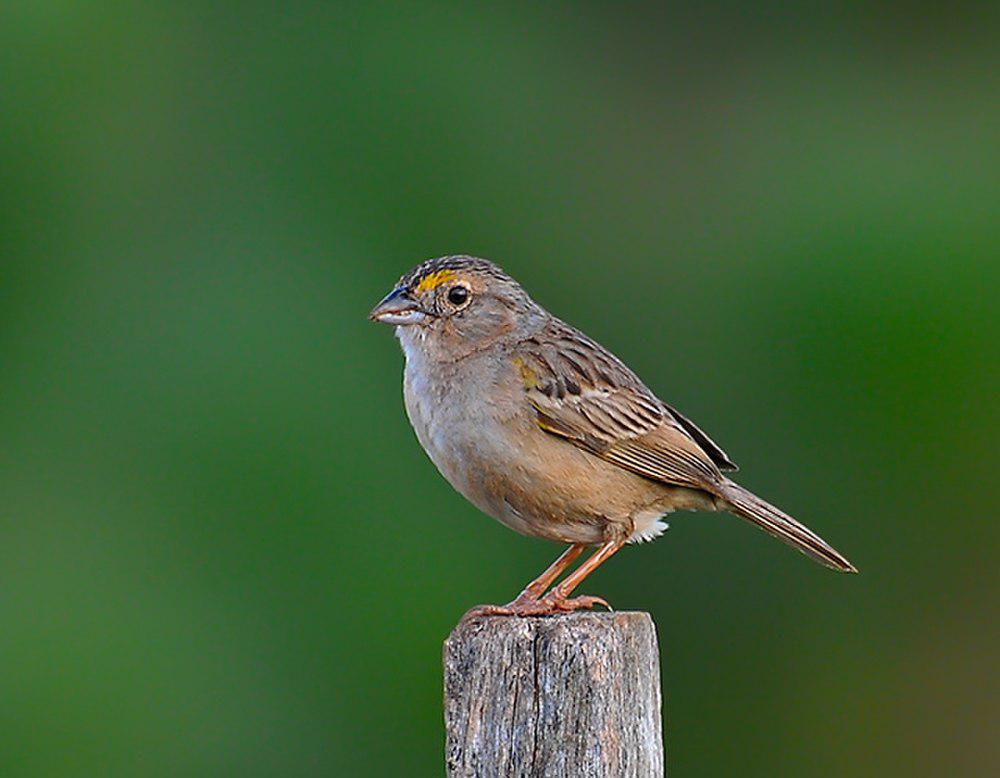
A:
(484, 610)
(550, 605)
(557, 604)
(522, 606)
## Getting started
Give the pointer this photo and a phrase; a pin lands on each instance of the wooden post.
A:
(553, 697)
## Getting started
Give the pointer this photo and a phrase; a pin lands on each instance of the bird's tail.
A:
(749, 506)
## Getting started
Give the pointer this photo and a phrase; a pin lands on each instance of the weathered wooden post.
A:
(553, 697)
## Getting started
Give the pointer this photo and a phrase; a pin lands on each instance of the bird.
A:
(547, 431)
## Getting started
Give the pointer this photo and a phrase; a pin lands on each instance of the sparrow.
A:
(547, 431)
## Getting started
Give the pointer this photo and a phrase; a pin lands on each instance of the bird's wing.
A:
(583, 393)
(720, 457)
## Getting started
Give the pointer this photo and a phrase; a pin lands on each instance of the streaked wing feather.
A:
(713, 449)
(583, 393)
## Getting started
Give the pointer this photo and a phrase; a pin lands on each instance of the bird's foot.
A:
(554, 603)
(550, 605)
(520, 606)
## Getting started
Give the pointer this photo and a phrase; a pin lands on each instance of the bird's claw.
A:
(550, 605)
(558, 604)
(522, 606)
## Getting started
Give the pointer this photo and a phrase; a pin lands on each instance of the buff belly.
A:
(544, 486)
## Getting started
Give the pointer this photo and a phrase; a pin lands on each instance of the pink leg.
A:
(558, 600)
(526, 603)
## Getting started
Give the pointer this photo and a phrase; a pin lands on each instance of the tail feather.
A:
(749, 506)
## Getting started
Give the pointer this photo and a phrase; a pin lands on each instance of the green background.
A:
(222, 551)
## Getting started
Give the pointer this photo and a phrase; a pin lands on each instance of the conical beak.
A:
(398, 308)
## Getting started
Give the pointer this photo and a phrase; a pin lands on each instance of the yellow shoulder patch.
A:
(528, 376)
(434, 280)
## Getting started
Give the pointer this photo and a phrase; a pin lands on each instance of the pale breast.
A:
(458, 427)
(476, 426)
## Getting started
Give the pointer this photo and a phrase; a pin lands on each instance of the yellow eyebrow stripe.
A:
(434, 280)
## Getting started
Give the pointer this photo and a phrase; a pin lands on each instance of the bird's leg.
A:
(537, 588)
(526, 603)
(559, 601)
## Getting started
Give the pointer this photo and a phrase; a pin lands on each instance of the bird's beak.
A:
(398, 308)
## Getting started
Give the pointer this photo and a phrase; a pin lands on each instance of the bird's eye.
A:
(457, 295)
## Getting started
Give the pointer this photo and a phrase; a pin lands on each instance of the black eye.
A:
(457, 295)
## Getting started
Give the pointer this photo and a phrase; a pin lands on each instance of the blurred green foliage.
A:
(222, 551)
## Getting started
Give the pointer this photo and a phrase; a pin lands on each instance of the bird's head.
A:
(452, 306)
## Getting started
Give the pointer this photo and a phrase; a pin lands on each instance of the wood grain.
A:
(560, 696)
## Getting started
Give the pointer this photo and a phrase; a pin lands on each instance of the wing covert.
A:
(583, 393)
